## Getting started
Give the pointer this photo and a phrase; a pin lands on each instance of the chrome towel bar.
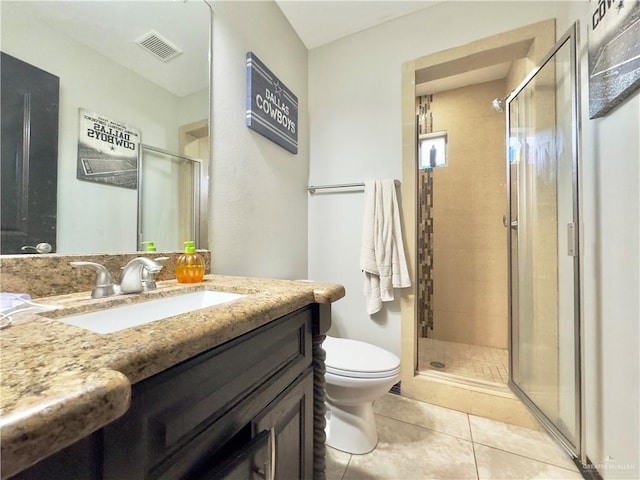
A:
(312, 188)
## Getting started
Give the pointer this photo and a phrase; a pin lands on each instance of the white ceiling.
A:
(318, 22)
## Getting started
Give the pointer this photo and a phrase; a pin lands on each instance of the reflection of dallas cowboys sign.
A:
(107, 151)
(614, 53)
(272, 109)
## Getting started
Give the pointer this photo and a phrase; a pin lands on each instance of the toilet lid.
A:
(352, 358)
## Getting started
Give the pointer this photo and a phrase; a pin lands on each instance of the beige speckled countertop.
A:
(60, 383)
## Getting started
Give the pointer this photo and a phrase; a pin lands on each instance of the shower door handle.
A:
(514, 224)
(572, 240)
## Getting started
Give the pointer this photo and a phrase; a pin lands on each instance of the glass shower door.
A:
(169, 199)
(542, 172)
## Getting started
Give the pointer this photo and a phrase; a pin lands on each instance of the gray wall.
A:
(258, 223)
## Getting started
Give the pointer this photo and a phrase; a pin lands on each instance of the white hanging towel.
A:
(382, 253)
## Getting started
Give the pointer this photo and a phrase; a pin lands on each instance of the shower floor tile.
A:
(486, 364)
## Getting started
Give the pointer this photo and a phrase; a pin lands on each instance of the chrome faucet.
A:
(148, 278)
(136, 277)
(132, 274)
(104, 283)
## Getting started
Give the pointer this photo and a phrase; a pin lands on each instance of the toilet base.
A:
(351, 428)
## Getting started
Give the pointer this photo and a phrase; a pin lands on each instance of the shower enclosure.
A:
(498, 294)
(531, 237)
(461, 247)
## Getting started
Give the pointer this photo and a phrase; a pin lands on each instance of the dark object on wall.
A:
(614, 54)
(29, 138)
(272, 109)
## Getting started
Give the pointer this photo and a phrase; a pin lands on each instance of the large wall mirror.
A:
(159, 89)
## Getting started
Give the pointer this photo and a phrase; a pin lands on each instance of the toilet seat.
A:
(355, 359)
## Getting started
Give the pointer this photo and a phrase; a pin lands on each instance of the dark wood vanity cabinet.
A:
(241, 410)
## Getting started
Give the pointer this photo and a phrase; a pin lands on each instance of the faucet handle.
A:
(148, 277)
(104, 282)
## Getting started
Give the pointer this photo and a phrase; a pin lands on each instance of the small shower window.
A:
(432, 150)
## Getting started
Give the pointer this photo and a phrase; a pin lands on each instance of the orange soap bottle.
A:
(189, 265)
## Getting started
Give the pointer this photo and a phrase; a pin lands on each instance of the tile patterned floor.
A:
(419, 441)
(471, 361)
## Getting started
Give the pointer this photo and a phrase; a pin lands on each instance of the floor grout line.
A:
(346, 467)
(473, 447)
(527, 457)
(423, 427)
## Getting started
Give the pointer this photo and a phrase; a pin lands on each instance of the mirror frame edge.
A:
(203, 227)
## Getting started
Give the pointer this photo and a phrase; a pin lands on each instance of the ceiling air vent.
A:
(158, 46)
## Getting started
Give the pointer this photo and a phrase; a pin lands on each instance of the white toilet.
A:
(357, 374)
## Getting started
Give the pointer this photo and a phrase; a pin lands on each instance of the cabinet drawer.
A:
(172, 408)
(208, 450)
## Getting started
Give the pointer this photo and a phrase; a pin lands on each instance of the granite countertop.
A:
(60, 383)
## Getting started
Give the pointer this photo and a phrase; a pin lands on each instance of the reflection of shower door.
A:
(542, 172)
(169, 202)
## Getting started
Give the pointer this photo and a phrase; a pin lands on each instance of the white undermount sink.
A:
(113, 319)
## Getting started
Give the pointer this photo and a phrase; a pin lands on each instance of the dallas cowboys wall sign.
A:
(614, 53)
(272, 109)
(107, 151)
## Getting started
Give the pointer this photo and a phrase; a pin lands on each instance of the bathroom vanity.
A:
(234, 389)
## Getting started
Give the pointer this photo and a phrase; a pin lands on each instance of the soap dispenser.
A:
(189, 265)
(150, 246)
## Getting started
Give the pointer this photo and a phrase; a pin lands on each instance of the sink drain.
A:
(437, 364)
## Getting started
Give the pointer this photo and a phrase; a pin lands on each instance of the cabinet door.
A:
(249, 462)
(290, 417)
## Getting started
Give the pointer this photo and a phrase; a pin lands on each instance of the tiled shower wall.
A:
(469, 239)
(425, 225)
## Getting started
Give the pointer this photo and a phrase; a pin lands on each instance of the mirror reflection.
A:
(134, 67)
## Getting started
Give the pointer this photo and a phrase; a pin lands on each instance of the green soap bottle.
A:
(151, 246)
(189, 265)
